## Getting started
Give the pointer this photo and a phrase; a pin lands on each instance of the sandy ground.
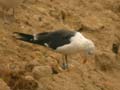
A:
(25, 66)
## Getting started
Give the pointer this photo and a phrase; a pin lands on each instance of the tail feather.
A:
(39, 39)
(24, 37)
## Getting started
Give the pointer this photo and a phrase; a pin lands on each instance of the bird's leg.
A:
(66, 62)
(63, 63)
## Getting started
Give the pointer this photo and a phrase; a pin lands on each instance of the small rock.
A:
(56, 68)
(3, 85)
(41, 71)
(26, 83)
(105, 61)
(36, 85)
(29, 78)
(29, 66)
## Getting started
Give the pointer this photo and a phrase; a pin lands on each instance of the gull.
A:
(63, 41)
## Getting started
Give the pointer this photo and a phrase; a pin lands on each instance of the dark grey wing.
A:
(59, 38)
(41, 38)
(53, 39)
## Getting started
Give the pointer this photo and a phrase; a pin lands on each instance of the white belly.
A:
(68, 49)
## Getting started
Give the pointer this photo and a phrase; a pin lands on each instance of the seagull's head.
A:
(89, 47)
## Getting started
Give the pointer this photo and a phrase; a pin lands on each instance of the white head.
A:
(89, 47)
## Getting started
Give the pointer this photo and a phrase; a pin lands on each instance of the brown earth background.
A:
(25, 66)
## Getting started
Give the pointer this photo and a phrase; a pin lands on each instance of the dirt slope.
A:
(25, 66)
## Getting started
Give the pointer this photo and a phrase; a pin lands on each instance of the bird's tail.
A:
(25, 37)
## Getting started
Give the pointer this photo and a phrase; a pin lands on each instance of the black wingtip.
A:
(23, 36)
(18, 33)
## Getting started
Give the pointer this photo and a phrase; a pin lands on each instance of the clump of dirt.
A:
(25, 66)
